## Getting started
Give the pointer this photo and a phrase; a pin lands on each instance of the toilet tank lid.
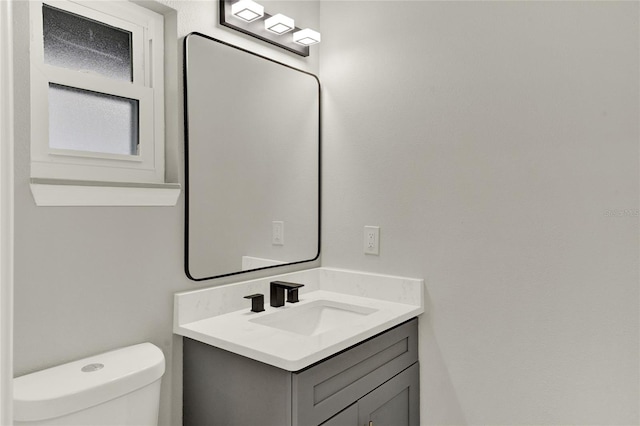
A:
(81, 384)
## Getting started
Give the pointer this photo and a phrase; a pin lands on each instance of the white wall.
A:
(6, 213)
(492, 142)
(90, 279)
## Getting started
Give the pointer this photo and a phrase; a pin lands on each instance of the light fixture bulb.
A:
(306, 37)
(247, 10)
(279, 24)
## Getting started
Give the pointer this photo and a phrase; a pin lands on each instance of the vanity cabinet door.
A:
(346, 417)
(395, 403)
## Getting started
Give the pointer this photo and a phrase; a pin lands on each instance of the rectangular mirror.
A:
(252, 154)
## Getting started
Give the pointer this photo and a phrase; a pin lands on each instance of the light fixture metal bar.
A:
(256, 29)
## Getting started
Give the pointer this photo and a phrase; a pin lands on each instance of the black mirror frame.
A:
(186, 161)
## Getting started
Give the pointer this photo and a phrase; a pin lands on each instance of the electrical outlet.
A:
(277, 233)
(372, 240)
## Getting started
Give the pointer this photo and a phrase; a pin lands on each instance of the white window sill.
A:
(59, 192)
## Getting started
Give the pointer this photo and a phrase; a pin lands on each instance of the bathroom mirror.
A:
(252, 154)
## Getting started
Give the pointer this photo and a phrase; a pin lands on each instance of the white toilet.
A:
(117, 388)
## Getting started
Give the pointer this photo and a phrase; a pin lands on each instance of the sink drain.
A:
(90, 368)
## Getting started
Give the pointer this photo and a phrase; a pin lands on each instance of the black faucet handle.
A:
(292, 295)
(257, 302)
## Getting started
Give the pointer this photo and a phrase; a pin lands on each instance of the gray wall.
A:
(491, 141)
(91, 279)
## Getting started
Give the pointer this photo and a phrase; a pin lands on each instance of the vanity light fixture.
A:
(279, 24)
(247, 10)
(306, 37)
(250, 18)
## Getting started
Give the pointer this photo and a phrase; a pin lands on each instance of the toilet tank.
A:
(120, 387)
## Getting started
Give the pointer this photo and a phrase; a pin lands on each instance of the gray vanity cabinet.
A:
(373, 383)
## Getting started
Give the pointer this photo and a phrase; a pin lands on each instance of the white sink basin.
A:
(314, 318)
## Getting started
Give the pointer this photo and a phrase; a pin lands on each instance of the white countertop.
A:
(206, 315)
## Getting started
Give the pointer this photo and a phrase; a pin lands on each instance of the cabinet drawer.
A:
(322, 390)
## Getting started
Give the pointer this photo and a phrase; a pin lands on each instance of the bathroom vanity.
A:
(346, 354)
(376, 380)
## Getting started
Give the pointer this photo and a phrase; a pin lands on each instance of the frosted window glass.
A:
(88, 121)
(77, 43)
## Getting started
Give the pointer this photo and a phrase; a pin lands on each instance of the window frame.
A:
(147, 43)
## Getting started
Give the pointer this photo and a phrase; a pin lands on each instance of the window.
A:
(97, 93)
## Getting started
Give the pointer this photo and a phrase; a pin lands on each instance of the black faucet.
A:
(277, 292)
